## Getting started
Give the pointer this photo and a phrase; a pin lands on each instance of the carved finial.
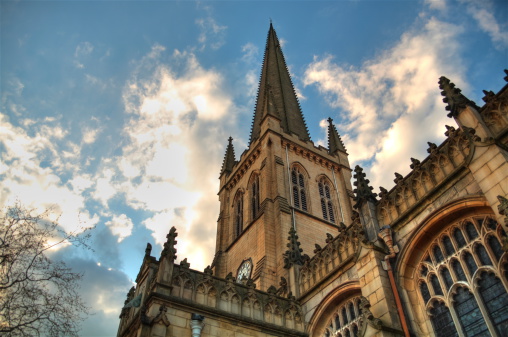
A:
(363, 191)
(317, 249)
(169, 246)
(185, 264)
(272, 290)
(398, 177)
(432, 147)
(414, 163)
(450, 131)
(329, 238)
(148, 250)
(366, 314)
(384, 192)
(506, 77)
(230, 278)
(455, 100)
(489, 96)
(293, 255)
(208, 270)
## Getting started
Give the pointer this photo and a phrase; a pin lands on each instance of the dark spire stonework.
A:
(455, 100)
(229, 158)
(363, 191)
(276, 93)
(334, 142)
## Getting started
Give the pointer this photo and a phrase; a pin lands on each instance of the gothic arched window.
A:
(476, 302)
(345, 318)
(238, 213)
(442, 320)
(254, 197)
(326, 200)
(299, 194)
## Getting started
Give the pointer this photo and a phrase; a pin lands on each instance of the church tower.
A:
(284, 194)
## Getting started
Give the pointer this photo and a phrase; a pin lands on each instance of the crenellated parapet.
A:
(340, 252)
(427, 176)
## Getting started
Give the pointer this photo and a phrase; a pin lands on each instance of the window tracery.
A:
(465, 290)
(345, 320)
(299, 194)
(326, 200)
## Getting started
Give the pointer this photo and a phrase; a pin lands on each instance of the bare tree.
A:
(38, 296)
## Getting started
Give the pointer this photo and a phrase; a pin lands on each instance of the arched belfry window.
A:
(238, 214)
(299, 194)
(326, 200)
(254, 196)
(464, 291)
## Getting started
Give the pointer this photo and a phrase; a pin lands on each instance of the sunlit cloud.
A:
(392, 98)
(120, 226)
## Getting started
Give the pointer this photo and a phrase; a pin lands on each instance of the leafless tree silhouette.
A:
(38, 296)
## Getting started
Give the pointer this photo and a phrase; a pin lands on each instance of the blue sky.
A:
(116, 114)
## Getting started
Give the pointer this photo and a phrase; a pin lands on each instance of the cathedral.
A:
(305, 248)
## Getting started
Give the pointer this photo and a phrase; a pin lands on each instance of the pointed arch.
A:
(299, 186)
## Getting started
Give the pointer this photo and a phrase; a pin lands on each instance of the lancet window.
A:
(238, 214)
(464, 290)
(254, 197)
(299, 194)
(326, 200)
(345, 320)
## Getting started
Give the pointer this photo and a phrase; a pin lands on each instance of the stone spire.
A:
(363, 191)
(455, 100)
(276, 94)
(334, 142)
(229, 158)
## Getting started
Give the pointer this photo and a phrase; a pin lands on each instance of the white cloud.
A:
(83, 49)
(483, 13)
(31, 173)
(393, 98)
(436, 4)
(212, 34)
(120, 226)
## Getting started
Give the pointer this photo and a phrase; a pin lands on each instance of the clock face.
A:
(244, 271)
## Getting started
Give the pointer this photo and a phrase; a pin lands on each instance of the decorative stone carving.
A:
(293, 256)
(367, 317)
(169, 246)
(455, 100)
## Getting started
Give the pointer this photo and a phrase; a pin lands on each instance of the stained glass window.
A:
(424, 289)
(435, 285)
(447, 278)
(352, 311)
(495, 299)
(469, 314)
(459, 238)
(495, 246)
(471, 231)
(337, 322)
(448, 246)
(459, 272)
(482, 254)
(492, 224)
(442, 320)
(438, 254)
(424, 271)
(344, 316)
(470, 263)
(355, 330)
